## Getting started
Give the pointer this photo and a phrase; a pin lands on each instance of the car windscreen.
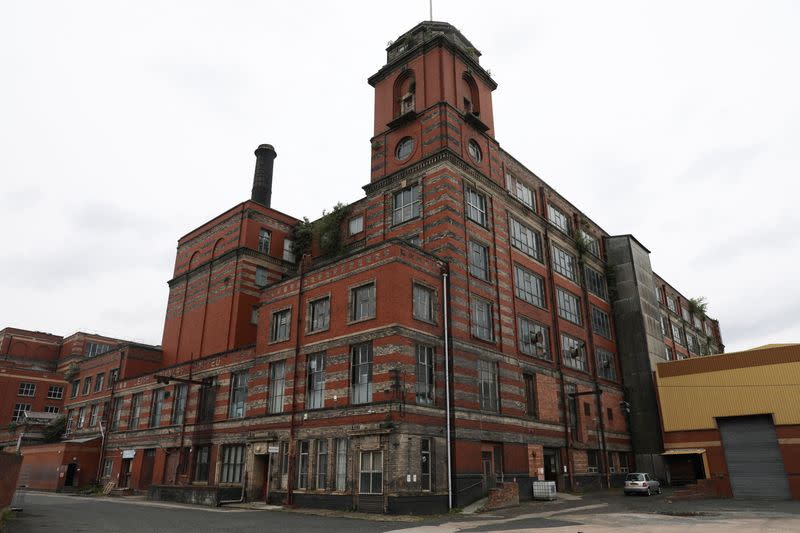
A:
(635, 477)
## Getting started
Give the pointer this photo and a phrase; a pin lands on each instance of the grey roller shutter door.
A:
(755, 464)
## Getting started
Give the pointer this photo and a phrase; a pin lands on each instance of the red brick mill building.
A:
(461, 325)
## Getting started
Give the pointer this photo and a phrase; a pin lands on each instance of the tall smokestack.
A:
(262, 180)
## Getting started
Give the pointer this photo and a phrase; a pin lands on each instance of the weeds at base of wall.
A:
(6, 516)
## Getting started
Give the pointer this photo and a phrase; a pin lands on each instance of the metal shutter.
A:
(755, 465)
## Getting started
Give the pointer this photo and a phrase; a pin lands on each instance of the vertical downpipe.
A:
(445, 307)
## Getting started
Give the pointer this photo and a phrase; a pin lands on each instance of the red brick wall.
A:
(10, 464)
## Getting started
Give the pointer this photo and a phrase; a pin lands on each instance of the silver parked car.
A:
(641, 483)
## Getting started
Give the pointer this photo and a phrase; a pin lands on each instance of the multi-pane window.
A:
(664, 326)
(605, 364)
(426, 465)
(573, 353)
(406, 204)
(685, 314)
(87, 385)
(232, 463)
(479, 260)
(691, 342)
(422, 303)
(155, 407)
(319, 314)
(530, 287)
(668, 353)
(281, 325)
(116, 415)
(591, 461)
(322, 464)
(208, 400)
(356, 225)
(525, 239)
(595, 282)
(136, 411)
(530, 395)
(108, 465)
(671, 305)
(95, 348)
(362, 373)
(21, 408)
(288, 250)
(261, 276)
(362, 304)
(53, 409)
(697, 322)
(601, 324)
(81, 417)
(520, 191)
(658, 295)
(112, 377)
(534, 338)
(476, 206)
(316, 381)
(371, 478)
(564, 263)
(93, 415)
(677, 334)
(302, 464)
(26, 389)
(179, 403)
(341, 464)
(76, 386)
(557, 218)
(201, 463)
(569, 306)
(424, 373)
(277, 386)
(98, 382)
(236, 408)
(264, 240)
(592, 244)
(482, 319)
(487, 385)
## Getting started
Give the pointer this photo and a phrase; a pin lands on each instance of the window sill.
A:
(425, 320)
(316, 331)
(359, 320)
(401, 223)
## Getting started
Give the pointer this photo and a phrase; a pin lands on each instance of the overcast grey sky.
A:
(123, 125)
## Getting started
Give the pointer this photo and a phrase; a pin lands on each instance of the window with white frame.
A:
(564, 263)
(264, 240)
(87, 385)
(280, 327)
(81, 417)
(482, 319)
(573, 352)
(316, 381)
(302, 464)
(424, 373)
(658, 295)
(530, 287)
(569, 306)
(98, 382)
(361, 373)
(21, 408)
(407, 204)
(592, 244)
(261, 276)
(26, 389)
(95, 348)
(356, 225)
(487, 385)
(601, 323)
(422, 308)
(288, 250)
(479, 260)
(677, 334)
(341, 464)
(319, 313)
(54, 409)
(520, 191)
(371, 473)
(525, 239)
(606, 368)
(362, 302)
(476, 206)
(595, 282)
(558, 219)
(671, 305)
(93, 415)
(322, 464)
(237, 405)
(534, 338)
(232, 463)
(76, 387)
(277, 386)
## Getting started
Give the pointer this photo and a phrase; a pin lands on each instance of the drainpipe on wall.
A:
(290, 470)
(446, 301)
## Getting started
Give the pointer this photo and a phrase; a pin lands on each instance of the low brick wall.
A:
(10, 464)
(504, 495)
(209, 496)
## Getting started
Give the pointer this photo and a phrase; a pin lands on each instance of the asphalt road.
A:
(593, 513)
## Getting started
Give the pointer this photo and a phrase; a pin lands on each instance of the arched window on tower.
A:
(404, 93)
(471, 99)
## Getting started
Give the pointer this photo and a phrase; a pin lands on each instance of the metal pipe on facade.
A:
(445, 307)
(291, 448)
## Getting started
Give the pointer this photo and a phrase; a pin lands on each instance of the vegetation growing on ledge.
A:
(53, 431)
(698, 306)
(71, 372)
(327, 232)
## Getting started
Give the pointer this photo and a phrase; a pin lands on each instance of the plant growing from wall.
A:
(52, 432)
(698, 306)
(582, 244)
(327, 232)
(71, 372)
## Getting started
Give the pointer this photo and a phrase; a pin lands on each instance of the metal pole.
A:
(447, 389)
(269, 469)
